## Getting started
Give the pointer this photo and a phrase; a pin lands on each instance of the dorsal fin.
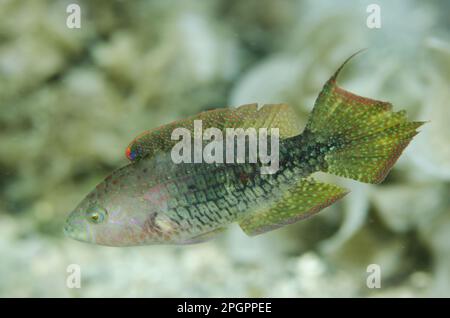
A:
(269, 116)
(304, 199)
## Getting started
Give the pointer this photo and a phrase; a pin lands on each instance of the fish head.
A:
(86, 222)
(110, 214)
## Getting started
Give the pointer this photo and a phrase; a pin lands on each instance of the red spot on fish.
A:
(128, 153)
(244, 178)
(157, 196)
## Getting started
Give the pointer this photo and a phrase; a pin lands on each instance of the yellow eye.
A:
(96, 215)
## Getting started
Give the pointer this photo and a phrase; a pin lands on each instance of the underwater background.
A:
(72, 99)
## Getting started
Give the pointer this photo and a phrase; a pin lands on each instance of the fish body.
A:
(152, 200)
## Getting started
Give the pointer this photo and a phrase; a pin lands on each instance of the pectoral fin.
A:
(301, 201)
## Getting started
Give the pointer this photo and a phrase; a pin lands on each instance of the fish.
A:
(152, 200)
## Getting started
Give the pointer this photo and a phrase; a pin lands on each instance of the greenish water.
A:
(72, 99)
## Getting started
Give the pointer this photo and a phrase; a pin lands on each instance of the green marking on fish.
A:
(154, 201)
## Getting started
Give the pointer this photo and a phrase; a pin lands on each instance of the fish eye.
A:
(96, 215)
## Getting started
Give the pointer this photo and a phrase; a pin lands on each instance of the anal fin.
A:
(301, 201)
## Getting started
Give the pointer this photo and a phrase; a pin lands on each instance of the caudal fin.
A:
(364, 136)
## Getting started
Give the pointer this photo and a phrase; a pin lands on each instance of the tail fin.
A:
(364, 136)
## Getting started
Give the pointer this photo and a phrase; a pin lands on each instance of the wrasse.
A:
(152, 200)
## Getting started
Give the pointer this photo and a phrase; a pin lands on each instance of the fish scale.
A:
(235, 198)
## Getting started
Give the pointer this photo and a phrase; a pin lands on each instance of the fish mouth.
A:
(68, 230)
(71, 232)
